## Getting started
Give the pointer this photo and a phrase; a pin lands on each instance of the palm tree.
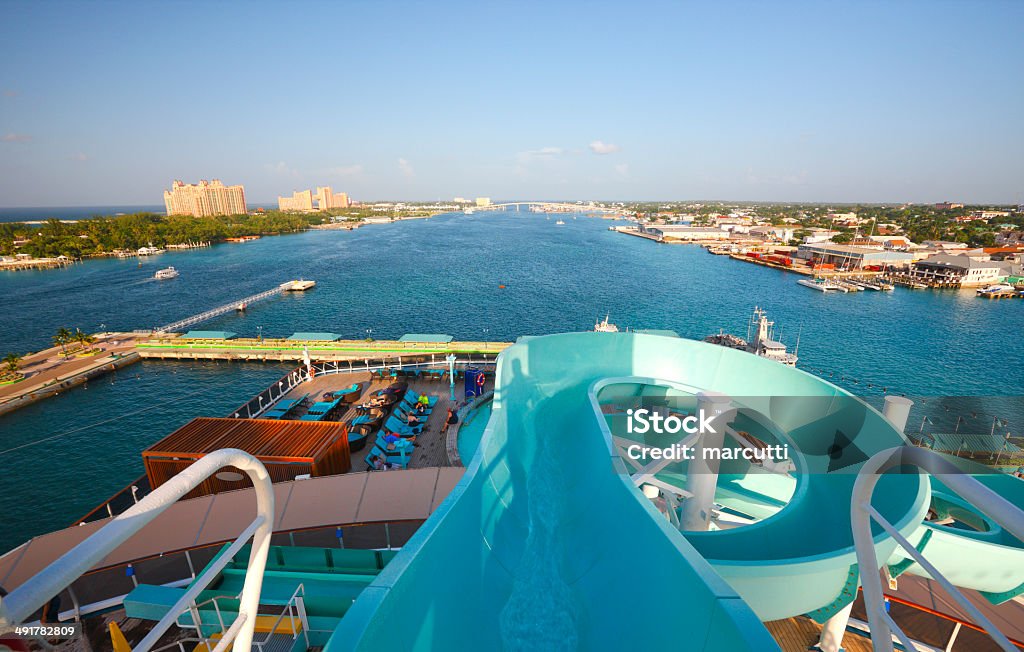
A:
(83, 338)
(62, 338)
(12, 360)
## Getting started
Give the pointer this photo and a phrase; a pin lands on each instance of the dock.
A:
(169, 347)
(242, 303)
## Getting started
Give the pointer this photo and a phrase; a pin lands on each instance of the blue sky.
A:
(106, 103)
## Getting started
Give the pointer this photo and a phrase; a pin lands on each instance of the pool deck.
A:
(431, 451)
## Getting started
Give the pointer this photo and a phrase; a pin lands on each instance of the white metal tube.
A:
(702, 471)
(1000, 510)
(53, 579)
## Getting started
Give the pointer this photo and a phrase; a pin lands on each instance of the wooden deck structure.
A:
(287, 448)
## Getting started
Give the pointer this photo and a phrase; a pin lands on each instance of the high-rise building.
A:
(483, 201)
(301, 200)
(326, 198)
(204, 198)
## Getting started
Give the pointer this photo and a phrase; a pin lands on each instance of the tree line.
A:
(103, 234)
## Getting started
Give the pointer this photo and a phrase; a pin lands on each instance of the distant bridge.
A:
(558, 206)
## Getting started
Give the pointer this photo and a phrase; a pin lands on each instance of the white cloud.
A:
(543, 152)
(406, 168)
(345, 170)
(600, 147)
(11, 137)
(282, 169)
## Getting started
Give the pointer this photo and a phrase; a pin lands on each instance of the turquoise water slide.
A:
(546, 543)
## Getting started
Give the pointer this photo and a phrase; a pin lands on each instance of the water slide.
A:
(546, 543)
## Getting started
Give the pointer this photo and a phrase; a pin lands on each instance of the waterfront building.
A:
(327, 199)
(680, 233)
(850, 256)
(204, 198)
(781, 233)
(961, 270)
(483, 201)
(301, 200)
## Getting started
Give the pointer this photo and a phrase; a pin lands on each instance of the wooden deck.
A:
(800, 633)
(431, 451)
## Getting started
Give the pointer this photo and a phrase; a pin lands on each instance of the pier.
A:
(282, 350)
(229, 307)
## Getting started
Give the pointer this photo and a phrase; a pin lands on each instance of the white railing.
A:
(295, 609)
(37, 591)
(997, 508)
(219, 310)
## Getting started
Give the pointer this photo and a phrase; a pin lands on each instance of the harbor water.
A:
(486, 276)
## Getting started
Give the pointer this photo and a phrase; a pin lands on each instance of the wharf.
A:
(49, 372)
(178, 348)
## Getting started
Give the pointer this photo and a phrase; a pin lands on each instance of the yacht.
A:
(822, 285)
(996, 289)
(166, 273)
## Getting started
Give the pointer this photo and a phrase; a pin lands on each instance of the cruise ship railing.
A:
(23, 601)
(1000, 510)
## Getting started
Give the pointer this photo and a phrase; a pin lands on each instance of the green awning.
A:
(426, 338)
(327, 337)
(210, 335)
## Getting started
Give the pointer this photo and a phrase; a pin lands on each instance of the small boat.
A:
(822, 285)
(559, 223)
(605, 327)
(167, 273)
(997, 289)
(241, 307)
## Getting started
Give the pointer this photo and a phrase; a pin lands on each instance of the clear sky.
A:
(107, 103)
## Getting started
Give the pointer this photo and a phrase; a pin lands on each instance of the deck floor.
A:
(799, 634)
(431, 450)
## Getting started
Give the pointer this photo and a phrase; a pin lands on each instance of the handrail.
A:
(53, 579)
(293, 602)
(997, 508)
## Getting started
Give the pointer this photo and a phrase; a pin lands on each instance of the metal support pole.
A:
(701, 472)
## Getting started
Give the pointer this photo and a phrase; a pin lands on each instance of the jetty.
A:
(289, 286)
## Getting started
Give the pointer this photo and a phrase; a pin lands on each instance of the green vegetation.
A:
(11, 361)
(100, 235)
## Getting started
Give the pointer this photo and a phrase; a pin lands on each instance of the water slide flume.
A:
(547, 542)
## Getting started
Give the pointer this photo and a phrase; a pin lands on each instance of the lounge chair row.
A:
(283, 407)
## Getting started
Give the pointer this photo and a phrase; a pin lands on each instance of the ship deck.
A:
(431, 451)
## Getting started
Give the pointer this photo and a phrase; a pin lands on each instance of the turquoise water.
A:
(442, 276)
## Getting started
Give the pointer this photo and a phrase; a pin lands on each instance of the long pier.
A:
(252, 349)
(220, 310)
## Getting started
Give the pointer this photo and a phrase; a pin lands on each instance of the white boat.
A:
(150, 251)
(559, 223)
(762, 342)
(822, 285)
(605, 327)
(167, 273)
(998, 288)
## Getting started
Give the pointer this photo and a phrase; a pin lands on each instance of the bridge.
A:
(552, 205)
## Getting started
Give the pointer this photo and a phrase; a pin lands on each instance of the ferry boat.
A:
(764, 343)
(166, 273)
(605, 327)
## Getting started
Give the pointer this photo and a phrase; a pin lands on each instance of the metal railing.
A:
(23, 601)
(219, 310)
(295, 609)
(991, 504)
